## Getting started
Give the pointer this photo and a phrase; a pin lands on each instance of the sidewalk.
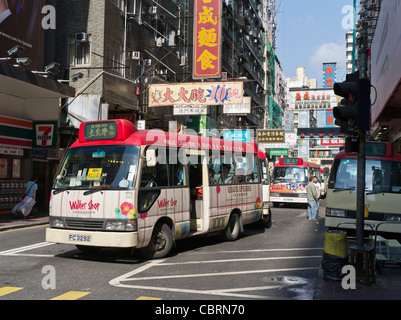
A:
(8, 221)
(387, 287)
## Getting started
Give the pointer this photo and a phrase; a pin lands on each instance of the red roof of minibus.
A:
(129, 135)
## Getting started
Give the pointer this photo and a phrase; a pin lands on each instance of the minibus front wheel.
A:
(160, 244)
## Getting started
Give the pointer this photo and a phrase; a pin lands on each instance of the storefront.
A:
(29, 117)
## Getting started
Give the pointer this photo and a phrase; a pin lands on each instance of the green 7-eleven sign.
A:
(45, 134)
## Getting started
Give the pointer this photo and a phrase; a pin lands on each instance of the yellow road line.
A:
(71, 295)
(8, 290)
(148, 298)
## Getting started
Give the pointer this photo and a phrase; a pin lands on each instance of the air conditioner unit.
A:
(136, 55)
(147, 62)
(153, 10)
(81, 37)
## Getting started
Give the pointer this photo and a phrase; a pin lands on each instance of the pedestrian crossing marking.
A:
(71, 295)
(148, 298)
(8, 290)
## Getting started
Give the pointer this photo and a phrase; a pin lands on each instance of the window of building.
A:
(79, 51)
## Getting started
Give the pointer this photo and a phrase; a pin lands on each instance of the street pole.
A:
(364, 104)
(354, 39)
(360, 190)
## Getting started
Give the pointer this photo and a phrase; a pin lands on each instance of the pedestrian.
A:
(31, 188)
(312, 199)
(318, 187)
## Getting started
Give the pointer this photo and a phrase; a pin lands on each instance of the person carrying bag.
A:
(24, 208)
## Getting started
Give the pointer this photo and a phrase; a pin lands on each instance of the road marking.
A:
(26, 248)
(116, 281)
(148, 298)
(71, 295)
(8, 290)
(239, 259)
(130, 279)
(255, 250)
(24, 228)
(229, 292)
(216, 274)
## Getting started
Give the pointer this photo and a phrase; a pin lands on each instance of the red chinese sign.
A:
(207, 39)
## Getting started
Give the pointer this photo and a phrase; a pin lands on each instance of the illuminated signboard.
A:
(207, 39)
(104, 130)
(196, 93)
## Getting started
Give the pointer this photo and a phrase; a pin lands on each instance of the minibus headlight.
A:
(121, 225)
(56, 222)
(115, 225)
(393, 217)
(335, 213)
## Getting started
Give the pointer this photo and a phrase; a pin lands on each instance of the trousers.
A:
(312, 210)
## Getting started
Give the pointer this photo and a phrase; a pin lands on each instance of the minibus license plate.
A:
(79, 238)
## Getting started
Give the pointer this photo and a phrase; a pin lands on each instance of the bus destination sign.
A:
(104, 130)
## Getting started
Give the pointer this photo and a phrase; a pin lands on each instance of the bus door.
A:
(198, 186)
(266, 218)
(163, 192)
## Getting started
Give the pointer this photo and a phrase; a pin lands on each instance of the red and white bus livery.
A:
(122, 187)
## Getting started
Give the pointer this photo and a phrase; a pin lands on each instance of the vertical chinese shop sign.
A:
(207, 39)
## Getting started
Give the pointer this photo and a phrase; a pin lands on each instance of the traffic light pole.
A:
(360, 190)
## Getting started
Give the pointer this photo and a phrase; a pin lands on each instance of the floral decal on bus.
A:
(259, 205)
(126, 211)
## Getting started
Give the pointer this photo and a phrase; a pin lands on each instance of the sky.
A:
(310, 32)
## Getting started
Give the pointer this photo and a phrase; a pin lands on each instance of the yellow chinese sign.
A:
(207, 39)
(270, 136)
(94, 174)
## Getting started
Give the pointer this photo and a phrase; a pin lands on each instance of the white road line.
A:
(116, 281)
(239, 259)
(229, 273)
(26, 248)
(129, 280)
(255, 250)
(229, 292)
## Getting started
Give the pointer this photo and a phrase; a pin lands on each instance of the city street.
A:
(277, 263)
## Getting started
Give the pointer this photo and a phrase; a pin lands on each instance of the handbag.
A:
(25, 206)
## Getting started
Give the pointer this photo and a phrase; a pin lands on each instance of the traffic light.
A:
(355, 110)
(347, 114)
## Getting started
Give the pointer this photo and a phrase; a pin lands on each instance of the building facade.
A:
(29, 105)
(310, 116)
(121, 47)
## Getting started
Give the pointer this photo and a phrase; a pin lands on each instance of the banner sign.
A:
(189, 110)
(329, 74)
(207, 39)
(243, 108)
(238, 135)
(270, 136)
(195, 93)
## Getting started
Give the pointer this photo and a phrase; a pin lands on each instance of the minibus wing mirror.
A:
(151, 157)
